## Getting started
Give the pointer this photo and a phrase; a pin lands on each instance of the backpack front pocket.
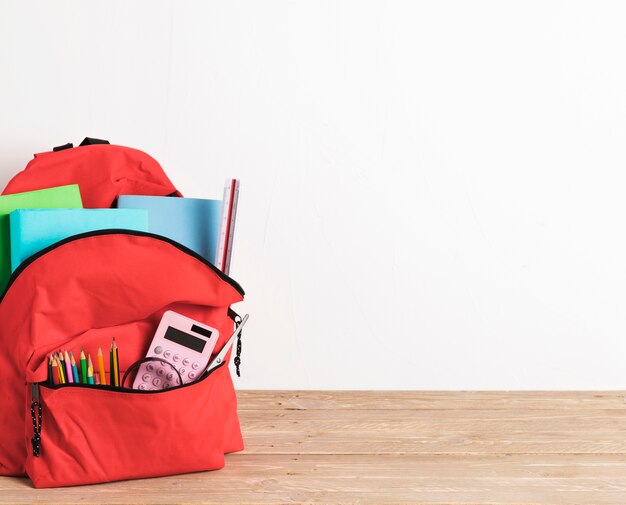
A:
(92, 434)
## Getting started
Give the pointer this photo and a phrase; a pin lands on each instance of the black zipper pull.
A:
(35, 413)
(237, 360)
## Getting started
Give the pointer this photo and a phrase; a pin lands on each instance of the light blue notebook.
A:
(32, 230)
(193, 222)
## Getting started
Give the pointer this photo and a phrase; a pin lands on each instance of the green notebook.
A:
(67, 197)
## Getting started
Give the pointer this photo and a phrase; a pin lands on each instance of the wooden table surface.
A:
(398, 448)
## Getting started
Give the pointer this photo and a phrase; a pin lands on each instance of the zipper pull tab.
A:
(237, 360)
(35, 413)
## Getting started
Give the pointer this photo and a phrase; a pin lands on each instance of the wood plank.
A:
(423, 419)
(433, 443)
(434, 432)
(280, 479)
(446, 400)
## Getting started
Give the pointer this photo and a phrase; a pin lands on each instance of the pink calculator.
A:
(183, 343)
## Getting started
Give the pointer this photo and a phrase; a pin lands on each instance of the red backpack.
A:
(80, 292)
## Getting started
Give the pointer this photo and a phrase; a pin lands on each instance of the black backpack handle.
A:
(88, 141)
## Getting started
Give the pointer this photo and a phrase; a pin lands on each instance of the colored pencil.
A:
(74, 369)
(111, 366)
(50, 376)
(96, 378)
(60, 369)
(89, 375)
(103, 377)
(116, 364)
(61, 360)
(89, 365)
(54, 379)
(68, 367)
(55, 370)
(83, 367)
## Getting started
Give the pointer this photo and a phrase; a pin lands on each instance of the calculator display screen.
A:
(182, 338)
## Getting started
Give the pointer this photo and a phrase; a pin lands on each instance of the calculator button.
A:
(167, 354)
(150, 367)
(166, 385)
(170, 376)
(195, 365)
(142, 386)
(156, 381)
(186, 361)
(182, 371)
(160, 372)
(176, 358)
(158, 349)
(146, 377)
(192, 375)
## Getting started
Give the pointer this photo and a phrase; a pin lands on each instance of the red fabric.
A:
(80, 295)
(102, 171)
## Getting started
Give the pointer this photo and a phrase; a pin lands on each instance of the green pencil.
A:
(83, 367)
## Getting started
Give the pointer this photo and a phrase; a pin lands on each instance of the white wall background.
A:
(433, 193)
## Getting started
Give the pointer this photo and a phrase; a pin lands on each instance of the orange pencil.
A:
(55, 372)
(103, 379)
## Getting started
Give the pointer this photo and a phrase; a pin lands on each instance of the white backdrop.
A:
(432, 192)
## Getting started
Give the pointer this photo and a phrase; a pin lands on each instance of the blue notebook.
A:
(61, 197)
(32, 230)
(193, 222)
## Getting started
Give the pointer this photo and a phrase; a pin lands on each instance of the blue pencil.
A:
(74, 369)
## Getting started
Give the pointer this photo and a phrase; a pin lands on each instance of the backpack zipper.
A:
(114, 231)
(103, 387)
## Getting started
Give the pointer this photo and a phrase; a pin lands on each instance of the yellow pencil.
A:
(116, 365)
(59, 371)
(103, 376)
(59, 357)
